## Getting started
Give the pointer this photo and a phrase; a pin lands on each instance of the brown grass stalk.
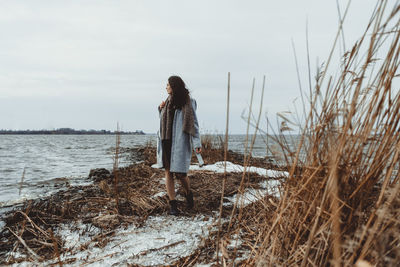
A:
(115, 166)
(225, 159)
(245, 160)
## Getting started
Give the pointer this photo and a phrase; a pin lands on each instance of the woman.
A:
(178, 135)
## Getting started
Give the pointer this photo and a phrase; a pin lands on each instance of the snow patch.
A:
(231, 167)
(159, 194)
(162, 240)
(251, 195)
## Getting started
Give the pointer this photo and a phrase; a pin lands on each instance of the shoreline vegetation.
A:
(66, 131)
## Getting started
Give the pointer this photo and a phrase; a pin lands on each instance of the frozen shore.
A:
(160, 239)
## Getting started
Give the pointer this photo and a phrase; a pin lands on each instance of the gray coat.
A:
(182, 143)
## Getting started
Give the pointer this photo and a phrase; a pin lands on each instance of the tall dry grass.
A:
(115, 167)
(340, 204)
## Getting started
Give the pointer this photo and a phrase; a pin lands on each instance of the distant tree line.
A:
(67, 131)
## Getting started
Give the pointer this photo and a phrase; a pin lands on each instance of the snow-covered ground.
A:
(251, 195)
(162, 239)
(219, 167)
(231, 167)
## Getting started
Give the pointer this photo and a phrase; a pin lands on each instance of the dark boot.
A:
(189, 200)
(173, 207)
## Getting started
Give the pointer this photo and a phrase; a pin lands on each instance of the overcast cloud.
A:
(90, 64)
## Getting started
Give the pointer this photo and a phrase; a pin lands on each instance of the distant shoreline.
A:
(69, 131)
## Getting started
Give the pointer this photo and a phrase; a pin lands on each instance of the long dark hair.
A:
(180, 94)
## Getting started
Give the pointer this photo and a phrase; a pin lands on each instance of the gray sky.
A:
(90, 64)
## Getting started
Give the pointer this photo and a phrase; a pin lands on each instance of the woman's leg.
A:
(184, 180)
(186, 186)
(166, 158)
(169, 183)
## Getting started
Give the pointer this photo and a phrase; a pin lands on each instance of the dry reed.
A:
(340, 202)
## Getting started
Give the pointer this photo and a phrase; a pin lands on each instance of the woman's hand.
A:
(198, 150)
(161, 105)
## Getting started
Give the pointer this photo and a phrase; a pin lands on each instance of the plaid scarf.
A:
(188, 118)
(167, 117)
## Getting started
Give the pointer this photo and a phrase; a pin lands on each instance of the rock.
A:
(106, 221)
(99, 174)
